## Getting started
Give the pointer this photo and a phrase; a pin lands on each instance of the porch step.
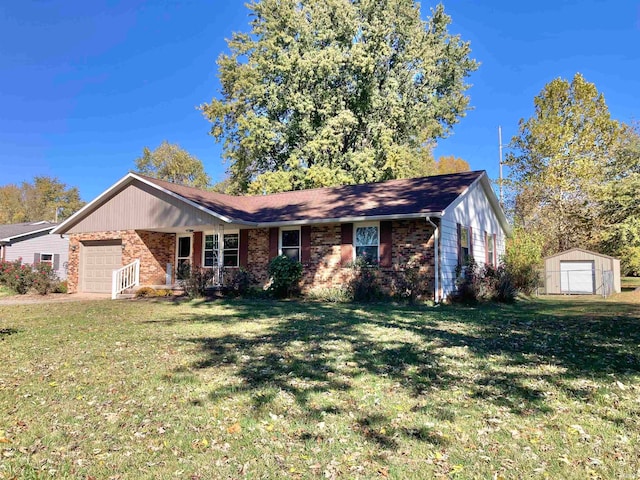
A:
(125, 296)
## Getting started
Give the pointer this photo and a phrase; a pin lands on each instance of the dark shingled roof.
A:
(403, 197)
(17, 229)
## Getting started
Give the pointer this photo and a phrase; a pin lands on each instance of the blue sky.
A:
(85, 85)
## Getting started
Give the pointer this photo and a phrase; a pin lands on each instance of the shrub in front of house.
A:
(475, 283)
(44, 279)
(364, 283)
(16, 276)
(196, 281)
(284, 277)
(238, 282)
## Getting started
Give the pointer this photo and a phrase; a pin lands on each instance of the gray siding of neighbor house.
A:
(26, 247)
(140, 207)
(601, 263)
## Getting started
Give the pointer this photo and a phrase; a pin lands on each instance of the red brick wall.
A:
(154, 249)
(412, 243)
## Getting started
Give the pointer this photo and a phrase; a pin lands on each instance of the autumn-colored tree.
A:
(171, 163)
(45, 199)
(451, 164)
(559, 161)
(323, 93)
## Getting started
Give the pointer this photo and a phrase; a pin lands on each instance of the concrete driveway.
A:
(52, 298)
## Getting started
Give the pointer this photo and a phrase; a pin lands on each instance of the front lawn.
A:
(232, 389)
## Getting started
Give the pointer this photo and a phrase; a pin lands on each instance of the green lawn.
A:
(233, 389)
(630, 282)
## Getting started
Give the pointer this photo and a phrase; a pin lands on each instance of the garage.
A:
(581, 272)
(99, 260)
(577, 277)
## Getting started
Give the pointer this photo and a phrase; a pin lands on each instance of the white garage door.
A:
(99, 260)
(576, 277)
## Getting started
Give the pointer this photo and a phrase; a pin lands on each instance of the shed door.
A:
(98, 263)
(577, 277)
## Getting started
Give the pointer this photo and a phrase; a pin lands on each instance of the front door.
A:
(183, 256)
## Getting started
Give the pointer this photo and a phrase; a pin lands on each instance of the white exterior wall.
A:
(472, 209)
(27, 246)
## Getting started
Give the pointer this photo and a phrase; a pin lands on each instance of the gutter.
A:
(436, 259)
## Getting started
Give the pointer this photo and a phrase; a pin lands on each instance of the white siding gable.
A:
(472, 209)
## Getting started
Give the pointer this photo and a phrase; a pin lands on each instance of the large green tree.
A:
(620, 199)
(559, 161)
(46, 198)
(329, 92)
(172, 163)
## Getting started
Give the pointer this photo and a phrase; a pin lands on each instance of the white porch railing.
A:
(125, 277)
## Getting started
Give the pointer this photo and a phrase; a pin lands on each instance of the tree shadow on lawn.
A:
(309, 348)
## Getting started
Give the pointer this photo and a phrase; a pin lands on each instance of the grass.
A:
(630, 283)
(5, 292)
(150, 389)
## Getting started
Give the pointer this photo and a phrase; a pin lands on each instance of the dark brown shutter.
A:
(244, 248)
(305, 243)
(197, 249)
(385, 244)
(36, 258)
(56, 261)
(346, 247)
(273, 242)
(470, 242)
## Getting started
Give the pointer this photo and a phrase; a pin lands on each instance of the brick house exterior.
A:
(414, 222)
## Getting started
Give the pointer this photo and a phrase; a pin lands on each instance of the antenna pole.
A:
(500, 149)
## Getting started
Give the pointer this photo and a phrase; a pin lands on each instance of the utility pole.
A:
(500, 149)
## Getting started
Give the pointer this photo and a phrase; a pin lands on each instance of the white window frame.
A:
(362, 225)
(178, 257)
(290, 229)
(46, 262)
(204, 243)
(462, 261)
(221, 248)
(490, 241)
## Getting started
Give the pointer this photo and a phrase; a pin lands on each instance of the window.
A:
(489, 241)
(183, 256)
(464, 244)
(367, 242)
(211, 251)
(47, 259)
(230, 245)
(290, 243)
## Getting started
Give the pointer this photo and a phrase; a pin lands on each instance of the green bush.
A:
(196, 280)
(238, 282)
(43, 278)
(61, 287)
(16, 276)
(523, 260)
(483, 284)
(284, 275)
(364, 285)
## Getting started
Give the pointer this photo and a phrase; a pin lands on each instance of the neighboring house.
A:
(32, 243)
(436, 222)
(577, 271)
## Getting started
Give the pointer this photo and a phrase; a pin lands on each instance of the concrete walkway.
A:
(52, 298)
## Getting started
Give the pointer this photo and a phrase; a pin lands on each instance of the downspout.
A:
(436, 259)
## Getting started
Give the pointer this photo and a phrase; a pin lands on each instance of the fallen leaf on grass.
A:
(235, 428)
